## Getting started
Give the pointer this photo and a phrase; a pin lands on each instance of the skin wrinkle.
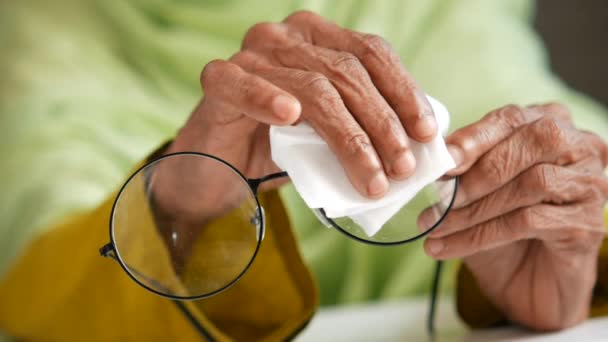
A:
(517, 155)
(356, 89)
(330, 36)
(374, 47)
(512, 116)
(528, 190)
(470, 141)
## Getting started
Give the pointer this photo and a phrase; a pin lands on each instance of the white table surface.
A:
(406, 321)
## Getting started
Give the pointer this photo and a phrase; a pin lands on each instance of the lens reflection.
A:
(186, 226)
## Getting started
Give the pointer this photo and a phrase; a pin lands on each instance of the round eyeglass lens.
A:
(435, 199)
(186, 226)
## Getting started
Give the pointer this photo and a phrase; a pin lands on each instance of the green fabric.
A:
(88, 88)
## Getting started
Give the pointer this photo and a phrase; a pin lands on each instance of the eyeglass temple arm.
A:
(108, 251)
(430, 323)
(254, 183)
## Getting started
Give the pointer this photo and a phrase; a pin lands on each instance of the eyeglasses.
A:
(188, 225)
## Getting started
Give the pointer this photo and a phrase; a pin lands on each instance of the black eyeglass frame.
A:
(110, 250)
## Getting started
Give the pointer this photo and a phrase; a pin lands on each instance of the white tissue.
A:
(322, 182)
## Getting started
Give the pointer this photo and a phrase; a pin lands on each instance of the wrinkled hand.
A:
(350, 87)
(528, 216)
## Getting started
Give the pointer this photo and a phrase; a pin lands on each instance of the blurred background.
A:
(574, 33)
(88, 89)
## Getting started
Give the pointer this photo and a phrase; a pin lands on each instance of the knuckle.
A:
(345, 64)
(356, 144)
(213, 71)
(550, 130)
(373, 43)
(301, 16)
(258, 32)
(510, 115)
(345, 69)
(249, 60)
(558, 109)
(319, 91)
(317, 85)
(375, 47)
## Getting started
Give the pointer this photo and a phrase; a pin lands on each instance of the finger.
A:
(599, 145)
(544, 141)
(265, 36)
(589, 166)
(552, 109)
(564, 226)
(469, 143)
(543, 183)
(361, 98)
(324, 110)
(227, 83)
(383, 64)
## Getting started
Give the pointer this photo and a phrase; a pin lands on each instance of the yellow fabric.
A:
(478, 312)
(60, 289)
(141, 242)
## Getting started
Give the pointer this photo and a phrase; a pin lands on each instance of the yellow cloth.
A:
(60, 289)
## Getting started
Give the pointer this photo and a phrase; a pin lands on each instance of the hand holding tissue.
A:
(319, 178)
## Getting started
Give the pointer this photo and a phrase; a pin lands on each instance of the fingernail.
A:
(426, 126)
(285, 107)
(405, 164)
(456, 153)
(378, 185)
(434, 246)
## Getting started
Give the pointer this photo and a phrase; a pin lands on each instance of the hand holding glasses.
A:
(188, 225)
